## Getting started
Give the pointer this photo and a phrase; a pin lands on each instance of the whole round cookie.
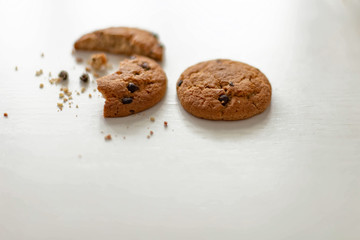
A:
(138, 84)
(223, 90)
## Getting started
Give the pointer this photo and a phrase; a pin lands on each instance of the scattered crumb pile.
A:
(97, 62)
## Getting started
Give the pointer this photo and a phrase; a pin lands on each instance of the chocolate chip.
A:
(155, 35)
(132, 111)
(231, 84)
(145, 66)
(126, 100)
(84, 77)
(224, 99)
(179, 83)
(132, 87)
(63, 75)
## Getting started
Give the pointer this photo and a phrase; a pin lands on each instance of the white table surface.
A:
(292, 172)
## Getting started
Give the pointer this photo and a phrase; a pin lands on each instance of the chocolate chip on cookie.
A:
(145, 66)
(223, 90)
(132, 87)
(126, 100)
(179, 83)
(224, 99)
(127, 93)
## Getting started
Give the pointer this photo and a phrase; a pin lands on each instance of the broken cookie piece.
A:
(122, 40)
(132, 88)
(98, 61)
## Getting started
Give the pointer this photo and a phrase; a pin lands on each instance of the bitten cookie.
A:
(122, 40)
(223, 90)
(139, 84)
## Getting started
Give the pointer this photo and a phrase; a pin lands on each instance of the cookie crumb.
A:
(60, 106)
(152, 119)
(42, 55)
(79, 60)
(90, 95)
(165, 123)
(77, 93)
(16, 68)
(84, 77)
(88, 69)
(6, 115)
(41, 85)
(67, 92)
(98, 61)
(77, 106)
(61, 95)
(151, 133)
(96, 74)
(55, 80)
(108, 137)
(148, 136)
(65, 100)
(124, 137)
(83, 90)
(38, 73)
(63, 75)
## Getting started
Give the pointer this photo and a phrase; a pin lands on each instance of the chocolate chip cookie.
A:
(138, 84)
(122, 40)
(223, 90)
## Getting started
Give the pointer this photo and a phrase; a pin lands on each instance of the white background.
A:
(292, 172)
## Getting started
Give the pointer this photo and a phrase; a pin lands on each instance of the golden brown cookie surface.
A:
(122, 40)
(223, 90)
(138, 84)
